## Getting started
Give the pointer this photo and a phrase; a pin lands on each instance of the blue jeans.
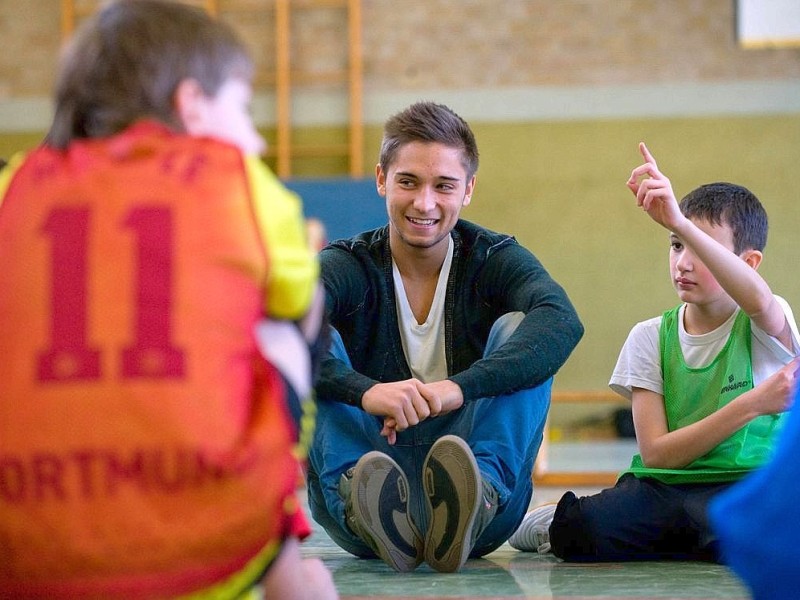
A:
(504, 433)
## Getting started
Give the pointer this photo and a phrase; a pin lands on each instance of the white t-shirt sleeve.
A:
(639, 362)
(769, 354)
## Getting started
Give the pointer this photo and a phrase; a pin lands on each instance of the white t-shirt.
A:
(423, 343)
(639, 362)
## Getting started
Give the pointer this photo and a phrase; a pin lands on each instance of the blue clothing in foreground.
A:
(758, 520)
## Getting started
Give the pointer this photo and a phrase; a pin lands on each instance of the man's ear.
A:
(752, 258)
(468, 192)
(190, 105)
(380, 180)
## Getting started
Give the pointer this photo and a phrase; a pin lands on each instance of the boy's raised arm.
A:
(737, 274)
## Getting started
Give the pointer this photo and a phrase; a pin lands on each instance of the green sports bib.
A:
(692, 394)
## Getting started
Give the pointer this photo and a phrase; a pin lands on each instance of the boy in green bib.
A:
(709, 381)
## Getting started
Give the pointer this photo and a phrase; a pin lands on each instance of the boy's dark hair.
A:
(126, 61)
(733, 205)
(429, 122)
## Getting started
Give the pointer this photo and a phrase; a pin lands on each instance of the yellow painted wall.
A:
(11, 143)
(559, 187)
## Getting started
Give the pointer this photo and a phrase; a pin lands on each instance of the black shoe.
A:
(376, 508)
(460, 503)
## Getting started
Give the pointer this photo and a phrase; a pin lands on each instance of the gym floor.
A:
(508, 573)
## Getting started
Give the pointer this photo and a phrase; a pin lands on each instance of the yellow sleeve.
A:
(294, 267)
(7, 173)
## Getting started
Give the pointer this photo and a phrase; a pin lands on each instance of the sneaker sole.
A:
(370, 505)
(447, 544)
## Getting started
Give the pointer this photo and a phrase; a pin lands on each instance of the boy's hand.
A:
(776, 392)
(654, 192)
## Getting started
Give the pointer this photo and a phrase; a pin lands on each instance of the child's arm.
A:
(293, 577)
(736, 274)
(664, 449)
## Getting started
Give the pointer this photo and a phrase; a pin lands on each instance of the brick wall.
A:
(455, 44)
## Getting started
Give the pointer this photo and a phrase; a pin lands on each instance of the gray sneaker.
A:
(460, 503)
(376, 508)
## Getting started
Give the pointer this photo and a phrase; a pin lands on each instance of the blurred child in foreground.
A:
(146, 445)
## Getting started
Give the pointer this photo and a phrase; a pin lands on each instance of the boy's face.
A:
(226, 116)
(692, 280)
(425, 189)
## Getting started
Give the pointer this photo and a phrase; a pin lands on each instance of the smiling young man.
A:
(446, 337)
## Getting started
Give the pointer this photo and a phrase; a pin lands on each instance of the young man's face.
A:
(691, 278)
(425, 189)
(226, 116)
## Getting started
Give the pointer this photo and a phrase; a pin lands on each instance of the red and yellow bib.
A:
(145, 448)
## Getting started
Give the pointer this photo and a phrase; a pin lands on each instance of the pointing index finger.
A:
(646, 154)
